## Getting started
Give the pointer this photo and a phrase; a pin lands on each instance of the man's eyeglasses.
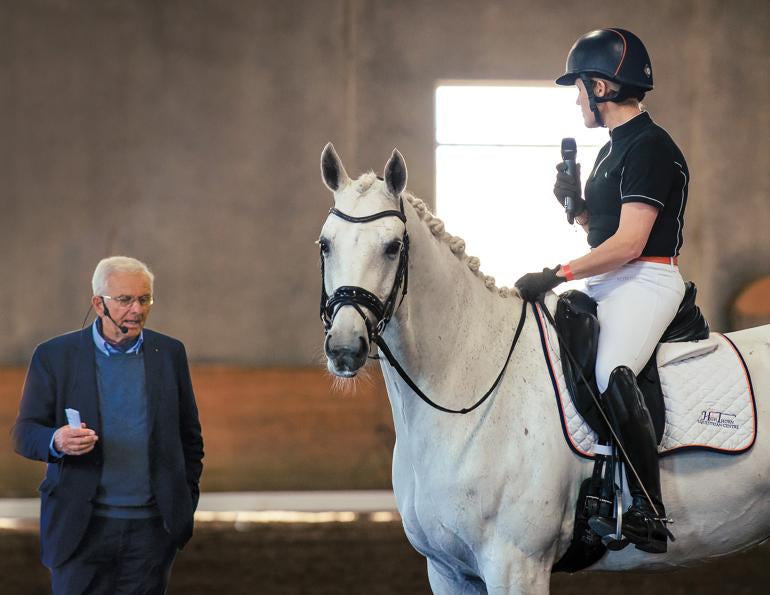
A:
(125, 301)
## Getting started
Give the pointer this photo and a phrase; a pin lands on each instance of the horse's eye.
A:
(392, 248)
(324, 245)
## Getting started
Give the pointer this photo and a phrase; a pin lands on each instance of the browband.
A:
(367, 218)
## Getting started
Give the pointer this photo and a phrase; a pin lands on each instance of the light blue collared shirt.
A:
(104, 346)
(107, 349)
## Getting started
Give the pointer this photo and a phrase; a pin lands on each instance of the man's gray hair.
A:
(117, 264)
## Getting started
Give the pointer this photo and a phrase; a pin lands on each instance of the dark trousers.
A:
(118, 556)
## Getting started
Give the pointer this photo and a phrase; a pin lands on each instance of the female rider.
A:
(633, 211)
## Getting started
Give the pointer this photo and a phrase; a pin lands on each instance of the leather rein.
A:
(360, 299)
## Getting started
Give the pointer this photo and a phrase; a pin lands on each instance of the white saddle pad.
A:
(707, 393)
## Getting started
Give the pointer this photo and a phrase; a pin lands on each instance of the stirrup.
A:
(610, 529)
(607, 530)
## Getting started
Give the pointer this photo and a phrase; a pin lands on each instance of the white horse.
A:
(489, 497)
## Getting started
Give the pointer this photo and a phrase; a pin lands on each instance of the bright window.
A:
(496, 149)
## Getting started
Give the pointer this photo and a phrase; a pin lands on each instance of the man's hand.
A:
(74, 441)
(532, 285)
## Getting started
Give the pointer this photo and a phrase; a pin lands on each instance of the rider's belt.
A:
(672, 260)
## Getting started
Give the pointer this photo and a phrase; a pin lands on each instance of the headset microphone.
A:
(123, 328)
(568, 154)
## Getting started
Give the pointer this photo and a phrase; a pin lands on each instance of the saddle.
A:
(578, 328)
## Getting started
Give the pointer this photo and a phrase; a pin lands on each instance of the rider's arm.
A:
(636, 221)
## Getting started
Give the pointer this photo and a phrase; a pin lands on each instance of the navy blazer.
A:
(62, 374)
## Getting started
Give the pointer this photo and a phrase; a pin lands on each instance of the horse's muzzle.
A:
(345, 359)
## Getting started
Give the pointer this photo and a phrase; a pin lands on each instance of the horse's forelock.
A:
(365, 182)
(368, 189)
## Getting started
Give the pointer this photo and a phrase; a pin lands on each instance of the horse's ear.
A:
(395, 174)
(332, 171)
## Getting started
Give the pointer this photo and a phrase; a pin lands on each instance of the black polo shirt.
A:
(640, 164)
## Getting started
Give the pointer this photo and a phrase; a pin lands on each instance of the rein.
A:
(401, 372)
(360, 298)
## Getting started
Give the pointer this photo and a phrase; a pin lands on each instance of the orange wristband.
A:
(567, 272)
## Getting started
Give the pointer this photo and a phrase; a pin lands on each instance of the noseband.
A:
(360, 298)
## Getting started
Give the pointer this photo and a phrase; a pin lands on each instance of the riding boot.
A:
(624, 402)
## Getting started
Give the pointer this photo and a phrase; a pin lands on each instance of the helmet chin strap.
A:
(592, 99)
(625, 92)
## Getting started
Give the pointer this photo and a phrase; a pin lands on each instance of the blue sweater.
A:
(124, 488)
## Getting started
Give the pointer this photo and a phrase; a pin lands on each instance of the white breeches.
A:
(636, 303)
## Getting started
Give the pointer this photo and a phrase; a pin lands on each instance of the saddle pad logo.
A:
(719, 419)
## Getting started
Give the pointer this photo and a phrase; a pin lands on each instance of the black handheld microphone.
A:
(123, 328)
(568, 154)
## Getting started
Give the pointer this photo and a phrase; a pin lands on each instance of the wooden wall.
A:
(263, 429)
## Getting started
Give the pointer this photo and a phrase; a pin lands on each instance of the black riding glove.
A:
(532, 285)
(567, 185)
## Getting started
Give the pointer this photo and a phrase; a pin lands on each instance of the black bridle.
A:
(360, 299)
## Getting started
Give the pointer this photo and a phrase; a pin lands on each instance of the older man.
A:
(120, 490)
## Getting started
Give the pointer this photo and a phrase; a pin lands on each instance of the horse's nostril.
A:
(347, 356)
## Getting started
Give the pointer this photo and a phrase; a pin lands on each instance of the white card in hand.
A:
(73, 418)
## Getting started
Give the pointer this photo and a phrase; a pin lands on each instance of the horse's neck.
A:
(451, 334)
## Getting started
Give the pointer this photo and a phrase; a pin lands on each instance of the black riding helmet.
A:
(612, 54)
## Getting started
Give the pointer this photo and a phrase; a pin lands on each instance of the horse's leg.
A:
(517, 574)
(441, 584)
